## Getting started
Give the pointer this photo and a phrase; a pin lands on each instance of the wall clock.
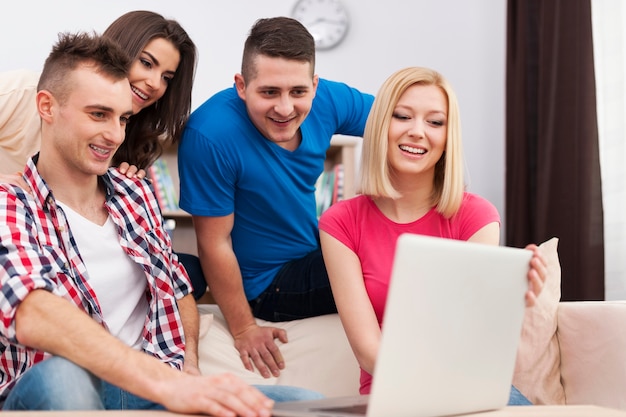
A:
(327, 20)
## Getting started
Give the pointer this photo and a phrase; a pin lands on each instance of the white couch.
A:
(317, 356)
(570, 352)
(592, 347)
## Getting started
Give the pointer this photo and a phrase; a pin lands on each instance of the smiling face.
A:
(278, 98)
(418, 131)
(152, 71)
(84, 131)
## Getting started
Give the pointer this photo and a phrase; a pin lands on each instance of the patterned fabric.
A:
(38, 251)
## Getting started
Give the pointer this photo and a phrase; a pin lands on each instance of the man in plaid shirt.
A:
(111, 325)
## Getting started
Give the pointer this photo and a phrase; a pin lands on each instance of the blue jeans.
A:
(280, 393)
(299, 290)
(58, 384)
(517, 398)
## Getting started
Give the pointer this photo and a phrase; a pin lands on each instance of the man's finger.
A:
(261, 365)
(245, 358)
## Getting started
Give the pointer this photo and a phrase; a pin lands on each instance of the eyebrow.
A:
(156, 61)
(106, 109)
(431, 111)
(152, 57)
(293, 87)
(99, 107)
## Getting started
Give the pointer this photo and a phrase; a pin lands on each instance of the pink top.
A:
(362, 227)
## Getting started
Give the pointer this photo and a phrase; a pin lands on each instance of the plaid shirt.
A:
(38, 251)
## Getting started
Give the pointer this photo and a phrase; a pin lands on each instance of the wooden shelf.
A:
(342, 150)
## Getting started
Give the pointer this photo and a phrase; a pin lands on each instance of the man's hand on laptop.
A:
(537, 274)
(256, 346)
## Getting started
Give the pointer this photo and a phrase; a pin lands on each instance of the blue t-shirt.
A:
(227, 166)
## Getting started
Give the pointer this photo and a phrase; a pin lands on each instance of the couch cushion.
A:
(317, 356)
(537, 370)
(592, 337)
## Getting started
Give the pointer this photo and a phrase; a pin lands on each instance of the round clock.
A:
(327, 20)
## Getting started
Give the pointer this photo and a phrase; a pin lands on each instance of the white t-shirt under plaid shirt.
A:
(38, 251)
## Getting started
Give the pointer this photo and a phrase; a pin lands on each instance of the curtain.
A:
(609, 45)
(553, 185)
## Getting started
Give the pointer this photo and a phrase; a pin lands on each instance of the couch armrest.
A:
(317, 356)
(592, 340)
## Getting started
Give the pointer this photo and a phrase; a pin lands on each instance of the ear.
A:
(45, 105)
(240, 84)
(316, 81)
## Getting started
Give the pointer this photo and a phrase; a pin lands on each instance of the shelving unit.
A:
(342, 150)
(183, 235)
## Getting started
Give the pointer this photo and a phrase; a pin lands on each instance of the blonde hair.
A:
(374, 179)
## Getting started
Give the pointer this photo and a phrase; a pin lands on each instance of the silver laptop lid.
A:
(451, 328)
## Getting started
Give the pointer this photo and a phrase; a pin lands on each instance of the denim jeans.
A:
(280, 393)
(300, 289)
(517, 398)
(58, 384)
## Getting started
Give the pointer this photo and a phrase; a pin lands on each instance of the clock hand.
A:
(315, 22)
(323, 20)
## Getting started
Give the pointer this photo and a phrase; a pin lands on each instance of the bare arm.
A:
(353, 304)
(189, 316)
(489, 234)
(90, 346)
(220, 267)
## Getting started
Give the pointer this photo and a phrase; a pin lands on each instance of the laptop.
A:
(449, 342)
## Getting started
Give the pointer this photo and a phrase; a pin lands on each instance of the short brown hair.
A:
(74, 49)
(277, 37)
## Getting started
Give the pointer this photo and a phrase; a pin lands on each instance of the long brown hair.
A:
(161, 123)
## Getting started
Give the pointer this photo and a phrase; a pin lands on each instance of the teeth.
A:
(410, 149)
(99, 150)
(139, 93)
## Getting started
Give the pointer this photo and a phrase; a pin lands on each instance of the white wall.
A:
(465, 40)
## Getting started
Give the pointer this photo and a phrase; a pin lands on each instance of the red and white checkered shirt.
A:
(38, 251)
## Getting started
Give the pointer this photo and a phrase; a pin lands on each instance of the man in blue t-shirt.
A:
(248, 162)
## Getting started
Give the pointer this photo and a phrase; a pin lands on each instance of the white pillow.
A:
(537, 370)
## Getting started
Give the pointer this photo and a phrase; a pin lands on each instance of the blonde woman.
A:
(411, 181)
